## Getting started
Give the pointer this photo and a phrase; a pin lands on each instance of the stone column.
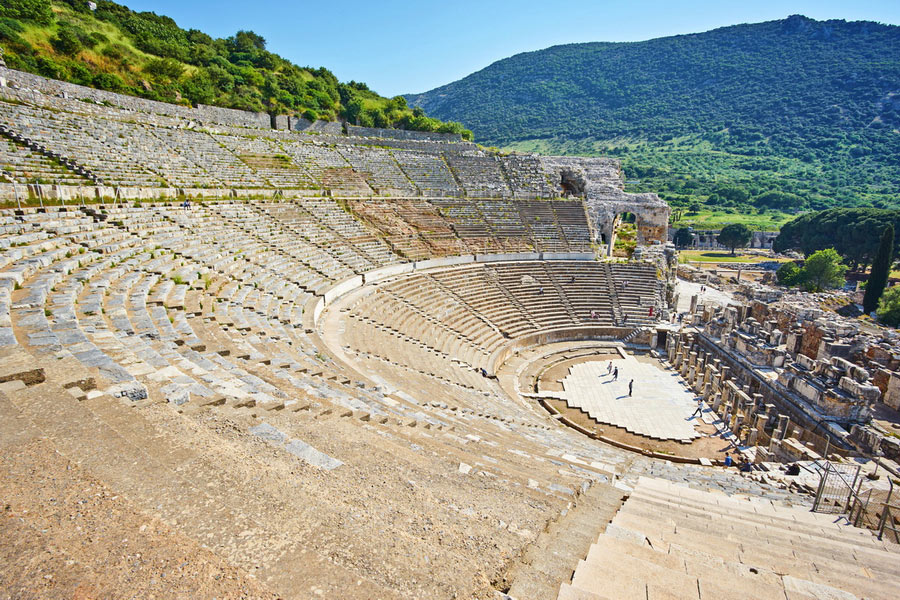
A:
(753, 437)
(725, 397)
(710, 374)
(670, 347)
(696, 378)
(784, 423)
(757, 404)
(760, 418)
(707, 391)
(686, 366)
(724, 375)
(738, 421)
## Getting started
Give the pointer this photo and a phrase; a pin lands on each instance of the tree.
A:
(889, 307)
(779, 200)
(683, 237)
(881, 268)
(735, 235)
(853, 232)
(789, 274)
(823, 270)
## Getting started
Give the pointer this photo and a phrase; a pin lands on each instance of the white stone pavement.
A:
(688, 289)
(660, 407)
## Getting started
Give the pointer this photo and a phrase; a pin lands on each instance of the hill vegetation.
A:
(782, 116)
(144, 54)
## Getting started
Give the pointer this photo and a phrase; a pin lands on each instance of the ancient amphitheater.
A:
(336, 372)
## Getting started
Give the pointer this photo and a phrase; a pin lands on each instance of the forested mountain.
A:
(111, 47)
(787, 114)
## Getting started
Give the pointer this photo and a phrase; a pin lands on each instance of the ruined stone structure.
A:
(790, 362)
(68, 141)
(708, 240)
(304, 382)
(600, 182)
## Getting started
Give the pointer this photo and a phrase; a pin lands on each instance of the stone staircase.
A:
(671, 541)
(614, 296)
(182, 375)
(51, 154)
(555, 554)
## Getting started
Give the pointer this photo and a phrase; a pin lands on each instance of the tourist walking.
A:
(616, 374)
(698, 411)
(630, 384)
(609, 368)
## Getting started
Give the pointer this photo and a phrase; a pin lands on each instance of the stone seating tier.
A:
(461, 315)
(182, 373)
(123, 142)
(673, 541)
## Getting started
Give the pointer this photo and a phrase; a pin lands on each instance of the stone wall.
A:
(74, 194)
(402, 134)
(325, 127)
(214, 114)
(708, 240)
(601, 182)
(136, 148)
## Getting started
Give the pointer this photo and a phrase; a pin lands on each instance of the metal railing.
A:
(887, 520)
(839, 493)
(838, 490)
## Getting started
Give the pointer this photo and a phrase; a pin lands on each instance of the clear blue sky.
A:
(406, 47)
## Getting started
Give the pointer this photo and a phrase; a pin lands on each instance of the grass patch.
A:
(715, 256)
(716, 219)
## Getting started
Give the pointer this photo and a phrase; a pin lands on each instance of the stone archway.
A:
(601, 182)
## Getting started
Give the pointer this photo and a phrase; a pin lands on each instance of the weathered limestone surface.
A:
(601, 182)
(96, 144)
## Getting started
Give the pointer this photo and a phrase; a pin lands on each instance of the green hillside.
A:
(784, 115)
(144, 54)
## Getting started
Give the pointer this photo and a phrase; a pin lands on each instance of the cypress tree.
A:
(881, 268)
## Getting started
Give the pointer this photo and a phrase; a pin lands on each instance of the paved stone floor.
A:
(660, 407)
(687, 289)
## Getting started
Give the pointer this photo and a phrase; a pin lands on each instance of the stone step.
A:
(570, 592)
(554, 555)
(635, 580)
(189, 491)
(771, 538)
(778, 526)
(754, 508)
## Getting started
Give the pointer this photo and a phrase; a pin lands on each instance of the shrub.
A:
(108, 81)
(889, 307)
(66, 42)
(37, 11)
